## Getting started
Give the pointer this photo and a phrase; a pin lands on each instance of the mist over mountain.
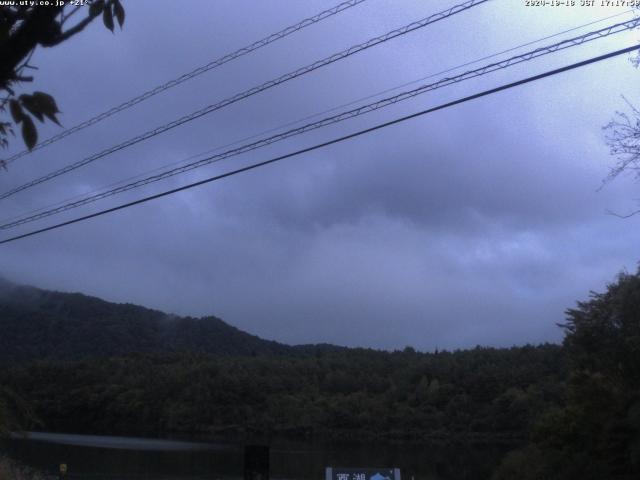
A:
(89, 366)
(39, 324)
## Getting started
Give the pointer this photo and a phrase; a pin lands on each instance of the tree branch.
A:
(629, 215)
(72, 31)
(69, 15)
(37, 28)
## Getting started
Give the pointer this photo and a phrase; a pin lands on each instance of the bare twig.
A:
(629, 215)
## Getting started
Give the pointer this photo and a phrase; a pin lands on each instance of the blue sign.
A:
(337, 473)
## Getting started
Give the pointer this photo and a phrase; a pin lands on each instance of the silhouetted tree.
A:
(596, 434)
(623, 138)
(23, 28)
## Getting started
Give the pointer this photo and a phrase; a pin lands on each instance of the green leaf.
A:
(47, 101)
(37, 114)
(118, 10)
(96, 8)
(29, 132)
(107, 18)
(31, 104)
(16, 111)
(47, 105)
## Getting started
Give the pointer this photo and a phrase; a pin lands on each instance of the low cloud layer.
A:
(479, 224)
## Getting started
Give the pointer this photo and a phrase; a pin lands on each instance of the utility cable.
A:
(192, 74)
(300, 120)
(527, 56)
(331, 142)
(253, 91)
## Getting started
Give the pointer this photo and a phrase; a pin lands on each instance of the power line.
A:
(192, 74)
(253, 91)
(330, 142)
(457, 67)
(334, 119)
(527, 56)
(300, 120)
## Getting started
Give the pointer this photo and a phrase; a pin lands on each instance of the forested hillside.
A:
(595, 433)
(38, 324)
(489, 394)
(86, 365)
(574, 408)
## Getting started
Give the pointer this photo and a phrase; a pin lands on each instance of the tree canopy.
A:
(596, 434)
(25, 27)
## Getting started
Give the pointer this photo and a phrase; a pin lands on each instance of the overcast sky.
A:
(479, 224)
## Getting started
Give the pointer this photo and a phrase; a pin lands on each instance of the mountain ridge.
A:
(44, 324)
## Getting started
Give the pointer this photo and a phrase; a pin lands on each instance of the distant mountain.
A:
(38, 324)
(120, 369)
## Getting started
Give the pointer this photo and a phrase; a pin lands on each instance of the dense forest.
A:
(570, 411)
(87, 365)
(355, 393)
(39, 324)
(595, 432)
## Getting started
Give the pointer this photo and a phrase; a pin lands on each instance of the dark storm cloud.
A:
(478, 224)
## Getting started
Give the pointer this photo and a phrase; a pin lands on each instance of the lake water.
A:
(110, 458)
